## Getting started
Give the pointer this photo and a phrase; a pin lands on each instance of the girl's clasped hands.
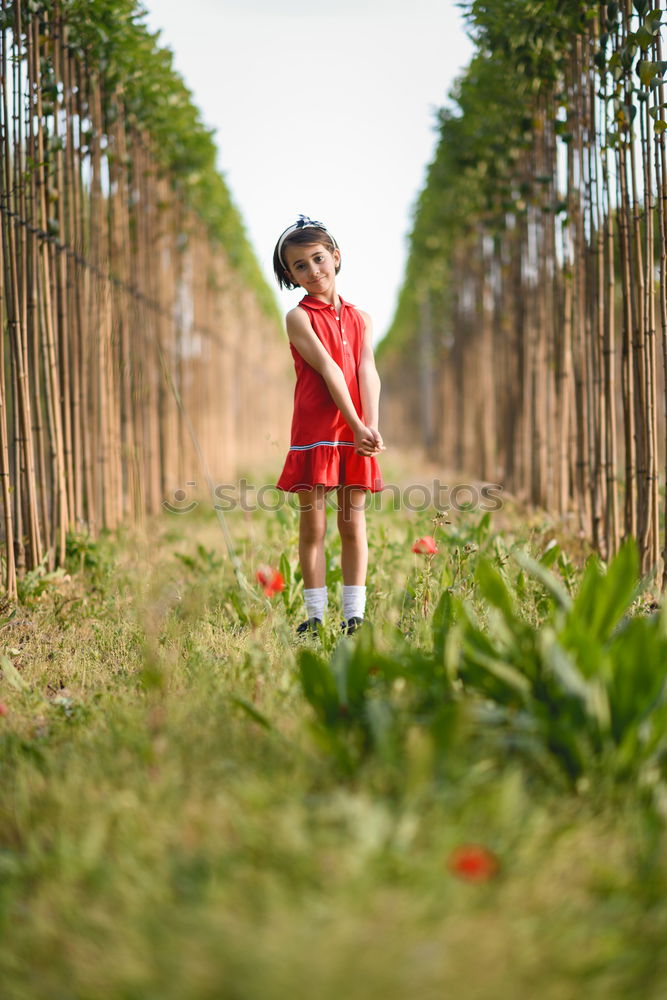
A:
(368, 441)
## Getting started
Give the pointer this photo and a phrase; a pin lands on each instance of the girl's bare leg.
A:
(312, 529)
(352, 528)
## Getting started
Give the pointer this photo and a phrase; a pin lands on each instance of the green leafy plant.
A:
(36, 581)
(578, 694)
(588, 683)
(367, 700)
(205, 561)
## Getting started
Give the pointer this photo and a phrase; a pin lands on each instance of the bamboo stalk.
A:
(90, 262)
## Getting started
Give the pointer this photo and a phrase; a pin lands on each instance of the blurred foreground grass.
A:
(171, 827)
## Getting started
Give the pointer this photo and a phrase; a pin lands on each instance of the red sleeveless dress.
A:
(322, 445)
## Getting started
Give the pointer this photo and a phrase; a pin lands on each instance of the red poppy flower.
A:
(270, 580)
(3, 709)
(425, 546)
(473, 863)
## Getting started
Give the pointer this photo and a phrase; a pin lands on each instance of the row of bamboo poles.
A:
(541, 345)
(114, 299)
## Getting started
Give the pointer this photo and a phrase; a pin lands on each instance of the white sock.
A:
(316, 599)
(354, 602)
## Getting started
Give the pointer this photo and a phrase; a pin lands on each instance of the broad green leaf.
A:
(615, 66)
(452, 652)
(443, 619)
(356, 664)
(550, 554)
(482, 670)
(661, 618)
(549, 581)
(339, 666)
(604, 597)
(562, 666)
(11, 674)
(587, 688)
(319, 686)
(250, 710)
(238, 607)
(443, 616)
(285, 568)
(586, 648)
(646, 70)
(644, 37)
(482, 528)
(628, 53)
(638, 681)
(495, 590)
(652, 21)
(382, 724)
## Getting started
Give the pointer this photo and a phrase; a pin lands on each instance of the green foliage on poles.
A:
(536, 283)
(137, 72)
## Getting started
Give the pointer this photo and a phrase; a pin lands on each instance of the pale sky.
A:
(328, 112)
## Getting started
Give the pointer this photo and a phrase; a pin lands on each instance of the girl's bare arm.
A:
(369, 382)
(311, 349)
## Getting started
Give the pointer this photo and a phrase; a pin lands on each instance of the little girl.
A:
(334, 437)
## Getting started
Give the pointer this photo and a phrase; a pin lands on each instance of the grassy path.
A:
(158, 841)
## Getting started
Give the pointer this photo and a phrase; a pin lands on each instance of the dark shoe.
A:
(351, 625)
(309, 626)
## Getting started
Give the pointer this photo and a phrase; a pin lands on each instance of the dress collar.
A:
(313, 303)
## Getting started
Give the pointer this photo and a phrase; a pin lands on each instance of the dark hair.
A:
(300, 237)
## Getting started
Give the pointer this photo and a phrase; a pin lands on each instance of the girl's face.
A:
(313, 267)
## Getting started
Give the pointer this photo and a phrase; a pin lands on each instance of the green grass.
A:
(159, 841)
